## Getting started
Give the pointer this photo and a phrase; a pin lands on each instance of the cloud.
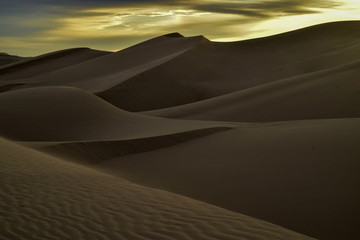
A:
(265, 8)
(24, 17)
(55, 23)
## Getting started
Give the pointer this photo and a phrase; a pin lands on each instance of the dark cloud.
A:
(265, 9)
(26, 19)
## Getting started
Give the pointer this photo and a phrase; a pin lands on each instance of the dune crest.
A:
(194, 68)
(60, 114)
(6, 59)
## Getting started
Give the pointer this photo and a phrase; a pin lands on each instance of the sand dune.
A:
(47, 198)
(68, 114)
(116, 67)
(331, 93)
(301, 175)
(171, 64)
(47, 63)
(266, 127)
(8, 59)
(211, 69)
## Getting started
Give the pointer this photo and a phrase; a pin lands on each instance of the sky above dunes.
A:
(34, 27)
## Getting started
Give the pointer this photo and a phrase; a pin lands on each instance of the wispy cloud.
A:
(100, 24)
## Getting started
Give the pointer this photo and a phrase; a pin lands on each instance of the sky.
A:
(30, 28)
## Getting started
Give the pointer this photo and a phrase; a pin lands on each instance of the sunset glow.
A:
(113, 25)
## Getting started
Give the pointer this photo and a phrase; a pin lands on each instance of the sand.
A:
(43, 197)
(8, 59)
(49, 62)
(184, 138)
(331, 93)
(176, 70)
(57, 114)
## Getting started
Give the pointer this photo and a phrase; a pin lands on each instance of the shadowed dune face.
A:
(333, 93)
(70, 114)
(46, 197)
(112, 69)
(8, 59)
(266, 127)
(300, 175)
(48, 62)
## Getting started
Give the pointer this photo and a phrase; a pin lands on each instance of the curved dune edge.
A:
(332, 93)
(100, 151)
(48, 62)
(102, 73)
(6, 59)
(45, 197)
(168, 72)
(301, 175)
(60, 114)
(229, 67)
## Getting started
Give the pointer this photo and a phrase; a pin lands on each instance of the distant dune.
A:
(331, 93)
(8, 59)
(178, 137)
(57, 114)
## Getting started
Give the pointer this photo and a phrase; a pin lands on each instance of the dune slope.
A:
(301, 174)
(112, 69)
(172, 70)
(69, 114)
(8, 59)
(211, 69)
(46, 63)
(332, 93)
(45, 197)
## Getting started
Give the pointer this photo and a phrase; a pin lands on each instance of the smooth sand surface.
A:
(43, 197)
(300, 174)
(8, 59)
(332, 93)
(267, 127)
(116, 67)
(58, 114)
(45, 63)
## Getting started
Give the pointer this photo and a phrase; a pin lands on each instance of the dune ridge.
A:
(6, 59)
(112, 69)
(44, 63)
(225, 67)
(58, 114)
(330, 93)
(97, 152)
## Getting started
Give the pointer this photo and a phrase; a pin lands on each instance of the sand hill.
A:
(8, 59)
(48, 198)
(184, 138)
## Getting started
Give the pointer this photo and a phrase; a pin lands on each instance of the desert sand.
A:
(184, 138)
(6, 59)
(48, 198)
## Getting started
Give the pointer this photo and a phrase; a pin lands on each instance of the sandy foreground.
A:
(184, 138)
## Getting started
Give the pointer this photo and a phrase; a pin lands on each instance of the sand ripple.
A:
(46, 198)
